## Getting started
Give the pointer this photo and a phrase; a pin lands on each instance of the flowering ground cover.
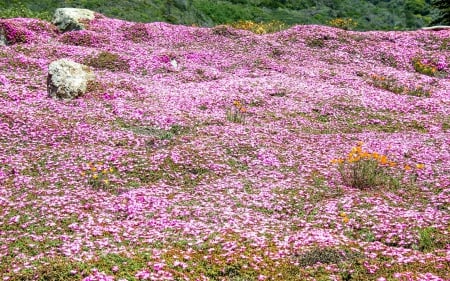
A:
(312, 153)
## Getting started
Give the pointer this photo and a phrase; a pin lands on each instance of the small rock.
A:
(67, 79)
(3, 41)
(174, 64)
(67, 19)
(436, 27)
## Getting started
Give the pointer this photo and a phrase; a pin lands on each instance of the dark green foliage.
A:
(16, 9)
(444, 11)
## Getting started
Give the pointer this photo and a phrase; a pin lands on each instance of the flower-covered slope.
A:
(210, 154)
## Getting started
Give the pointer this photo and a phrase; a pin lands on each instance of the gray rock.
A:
(67, 79)
(436, 27)
(3, 41)
(67, 19)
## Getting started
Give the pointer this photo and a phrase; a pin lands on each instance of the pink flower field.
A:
(312, 153)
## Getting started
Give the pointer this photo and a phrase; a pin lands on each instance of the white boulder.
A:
(3, 41)
(67, 19)
(67, 79)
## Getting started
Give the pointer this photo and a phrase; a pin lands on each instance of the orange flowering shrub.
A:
(237, 113)
(261, 27)
(364, 170)
(425, 67)
(391, 84)
(343, 23)
(99, 175)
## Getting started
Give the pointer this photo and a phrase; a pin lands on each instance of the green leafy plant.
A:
(418, 92)
(430, 239)
(19, 10)
(444, 11)
(430, 66)
(377, 16)
(426, 239)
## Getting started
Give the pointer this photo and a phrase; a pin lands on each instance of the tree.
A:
(444, 11)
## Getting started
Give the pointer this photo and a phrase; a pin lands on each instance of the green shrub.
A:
(430, 239)
(19, 10)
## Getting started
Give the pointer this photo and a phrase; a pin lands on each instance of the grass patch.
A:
(431, 239)
(107, 60)
(393, 85)
(137, 33)
(185, 175)
(314, 42)
(446, 124)
(327, 256)
(83, 38)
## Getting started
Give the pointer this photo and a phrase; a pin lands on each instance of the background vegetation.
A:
(367, 14)
(444, 11)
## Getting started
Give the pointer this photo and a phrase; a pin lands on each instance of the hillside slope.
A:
(210, 154)
(369, 15)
